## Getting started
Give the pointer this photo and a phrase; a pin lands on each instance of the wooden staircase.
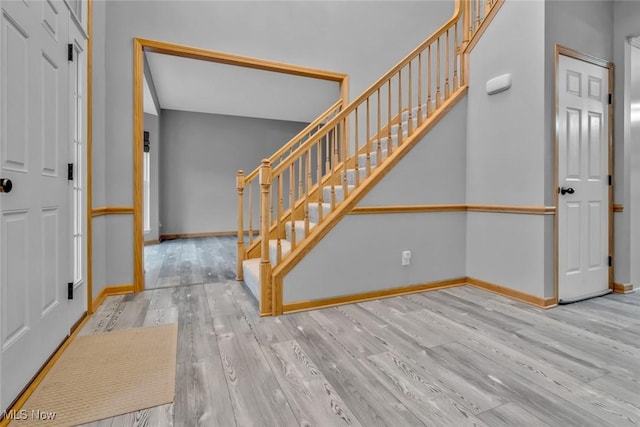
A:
(346, 152)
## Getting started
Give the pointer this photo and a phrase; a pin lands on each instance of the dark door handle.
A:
(568, 190)
(5, 185)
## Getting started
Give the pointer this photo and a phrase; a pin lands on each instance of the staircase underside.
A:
(282, 258)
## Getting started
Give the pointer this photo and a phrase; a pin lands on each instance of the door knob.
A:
(568, 190)
(5, 185)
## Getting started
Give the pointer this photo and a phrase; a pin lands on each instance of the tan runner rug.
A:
(105, 375)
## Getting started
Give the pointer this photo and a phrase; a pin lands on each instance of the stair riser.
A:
(300, 230)
(273, 251)
(414, 113)
(362, 158)
(251, 272)
(339, 191)
(313, 212)
(405, 126)
(351, 175)
(384, 144)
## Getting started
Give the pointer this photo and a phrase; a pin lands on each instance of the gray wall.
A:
(363, 252)
(626, 22)
(152, 125)
(339, 36)
(433, 172)
(506, 151)
(99, 258)
(200, 156)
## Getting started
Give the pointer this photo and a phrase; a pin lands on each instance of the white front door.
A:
(34, 152)
(583, 177)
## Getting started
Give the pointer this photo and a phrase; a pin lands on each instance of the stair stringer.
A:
(334, 218)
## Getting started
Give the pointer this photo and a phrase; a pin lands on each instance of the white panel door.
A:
(34, 153)
(583, 177)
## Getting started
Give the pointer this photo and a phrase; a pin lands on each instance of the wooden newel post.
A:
(241, 252)
(265, 263)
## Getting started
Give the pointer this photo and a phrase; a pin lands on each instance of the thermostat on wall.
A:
(498, 84)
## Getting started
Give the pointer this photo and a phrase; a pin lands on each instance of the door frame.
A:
(571, 53)
(140, 46)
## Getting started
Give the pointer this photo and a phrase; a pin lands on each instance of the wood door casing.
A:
(583, 167)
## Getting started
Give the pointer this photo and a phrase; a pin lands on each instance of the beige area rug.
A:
(105, 375)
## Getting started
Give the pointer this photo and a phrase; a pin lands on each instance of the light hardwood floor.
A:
(452, 357)
(190, 261)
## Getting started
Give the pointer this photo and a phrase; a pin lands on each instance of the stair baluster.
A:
(419, 89)
(292, 203)
(400, 125)
(306, 193)
(368, 135)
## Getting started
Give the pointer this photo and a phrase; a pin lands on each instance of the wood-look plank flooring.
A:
(453, 357)
(190, 261)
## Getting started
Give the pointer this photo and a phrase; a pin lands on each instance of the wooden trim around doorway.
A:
(571, 53)
(140, 46)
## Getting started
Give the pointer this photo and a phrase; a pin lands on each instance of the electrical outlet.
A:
(406, 257)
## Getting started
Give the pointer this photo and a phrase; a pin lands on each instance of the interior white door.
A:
(583, 177)
(34, 153)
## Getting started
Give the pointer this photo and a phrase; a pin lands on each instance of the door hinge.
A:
(70, 52)
(610, 261)
(70, 171)
(70, 290)
(610, 179)
(610, 98)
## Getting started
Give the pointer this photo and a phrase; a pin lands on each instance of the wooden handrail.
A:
(374, 87)
(344, 168)
(296, 139)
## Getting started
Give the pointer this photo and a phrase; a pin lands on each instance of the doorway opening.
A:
(216, 113)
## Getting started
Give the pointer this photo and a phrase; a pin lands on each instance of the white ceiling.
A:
(193, 85)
